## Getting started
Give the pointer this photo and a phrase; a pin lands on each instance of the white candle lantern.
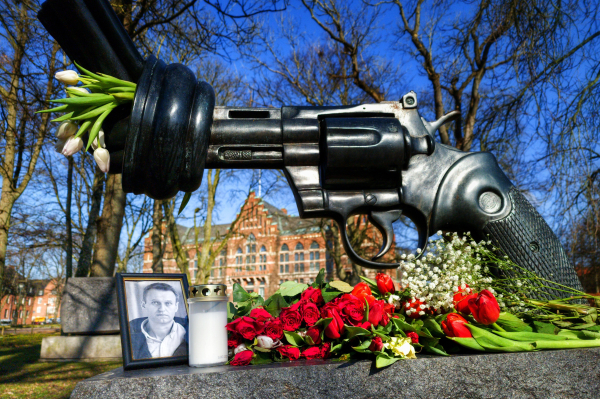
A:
(208, 317)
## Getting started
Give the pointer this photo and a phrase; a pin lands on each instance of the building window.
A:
(299, 247)
(38, 310)
(39, 301)
(8, 299)
(40, 292)
(21, 315)
(261, 291)
(6, 310)
(29, 302)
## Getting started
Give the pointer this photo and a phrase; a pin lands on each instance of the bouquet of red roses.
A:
(324, 320)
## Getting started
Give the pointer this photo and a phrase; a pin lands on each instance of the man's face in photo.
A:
(160, 306)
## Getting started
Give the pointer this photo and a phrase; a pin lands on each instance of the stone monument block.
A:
(96, 347)
(548, 374)
(89, 306)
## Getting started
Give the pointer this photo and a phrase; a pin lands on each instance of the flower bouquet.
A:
(461, 296)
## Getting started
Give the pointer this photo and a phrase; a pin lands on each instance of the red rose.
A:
(313, 352)
(290, 318)
(246, 326)
(242, 358)
(414, 337)
(325, 350)
(363, 292)
(274, 329)
(336, 327)
(314, 295)
(485, 307)
(260, 315)
(385, 283)
(377, 314)
(314, 333)
(351, 309)
(461, 300)
(389, 308)
(413, 308)
(310, 313)
(289, 351)
(233, 339)
(454, 326)
(376, 345)
(366, 325)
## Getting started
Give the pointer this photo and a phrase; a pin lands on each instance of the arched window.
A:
(284, 247)
(314, 245)
(239, 250)
(251, 237)
(314, 255)
(263, 249)
(299, 247)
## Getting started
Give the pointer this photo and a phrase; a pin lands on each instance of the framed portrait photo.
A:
(153, 315)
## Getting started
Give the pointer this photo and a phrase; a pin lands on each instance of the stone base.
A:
(548, 374)
(93, 348)
(89, 306)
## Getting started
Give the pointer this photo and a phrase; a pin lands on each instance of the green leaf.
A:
(231, 311)
(567, 344)
(545, 328)
(96, 127)
(424, 332)
(336, 348)
(356, 331)
(323, 323)
(510, 322)
(491, 341)
(184, 202)
(341, 286)
(320, 279)
(402, 325)
(274, 304)
(329, 294)
(470, 343)
(120, 89)
(530, 336)
(244, 308)
(582, 326)
(585, 334)
(291, 288)
(363, 346)
(95, 100)
(123, 96)
(116, 81)
(93, 112)
(240, 294)
(293, 338)
(383, 360)
(83, 128)
(563, 324)
(57, 109)
(368, 281)
(435, 349)
(261, 357)
(434, 328)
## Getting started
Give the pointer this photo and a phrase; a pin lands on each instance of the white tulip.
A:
(240, 348)
(100, 137)
(66, 130)
(72, 146)
(60, 144)
(102, 158)
(76, 88)
(265, 342)
(67, 77)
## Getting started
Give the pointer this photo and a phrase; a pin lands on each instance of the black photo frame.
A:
(133, 356)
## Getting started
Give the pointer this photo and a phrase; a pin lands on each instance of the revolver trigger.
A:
(383, 221)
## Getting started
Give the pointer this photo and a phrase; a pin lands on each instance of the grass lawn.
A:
(22, 376)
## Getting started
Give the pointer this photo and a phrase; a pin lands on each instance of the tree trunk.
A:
(157, 249)
(6, 205)
(109, 229)
(203, 265)
(69, 249)
(85, 256)
(181, 256)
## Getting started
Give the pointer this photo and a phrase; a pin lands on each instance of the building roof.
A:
(286, 224)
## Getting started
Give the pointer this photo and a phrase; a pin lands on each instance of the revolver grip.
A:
(528, 240)
(476, 196)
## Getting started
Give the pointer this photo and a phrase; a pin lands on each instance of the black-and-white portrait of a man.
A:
(157, 319)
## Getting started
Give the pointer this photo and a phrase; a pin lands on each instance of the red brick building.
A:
(38, 301)
(270, 247)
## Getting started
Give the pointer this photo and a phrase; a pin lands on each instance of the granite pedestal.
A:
(90, 316)
(549, 374)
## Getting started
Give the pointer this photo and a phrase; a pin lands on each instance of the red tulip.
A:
(454, 326)
(376, 345)
(377, 314)
(485, 308)
(385, 283)
(362, 291)
(461, 301)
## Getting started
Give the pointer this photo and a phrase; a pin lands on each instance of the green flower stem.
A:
(567, 344)
(496, 327)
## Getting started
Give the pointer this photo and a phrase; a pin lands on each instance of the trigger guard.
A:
(353, 256)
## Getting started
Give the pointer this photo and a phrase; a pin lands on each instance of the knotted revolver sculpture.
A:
(376, 159)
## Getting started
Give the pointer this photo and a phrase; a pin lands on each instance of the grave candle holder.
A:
(207, 305)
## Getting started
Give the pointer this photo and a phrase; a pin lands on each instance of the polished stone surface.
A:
(81, 347)
(549, 374)
(89, 306)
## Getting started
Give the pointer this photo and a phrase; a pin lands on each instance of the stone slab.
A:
(89, 306)
(549, 374)
(90, 347)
